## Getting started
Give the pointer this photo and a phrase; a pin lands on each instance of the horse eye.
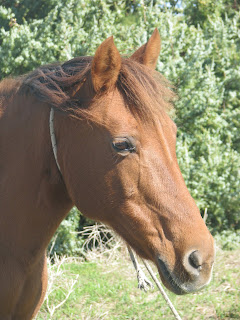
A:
(123, 145)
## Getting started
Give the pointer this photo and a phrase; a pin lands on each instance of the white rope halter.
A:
(53, 137)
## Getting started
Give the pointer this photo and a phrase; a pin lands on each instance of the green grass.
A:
(107, 290)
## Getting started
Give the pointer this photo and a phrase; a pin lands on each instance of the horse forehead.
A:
(118, 116)
(120, 119)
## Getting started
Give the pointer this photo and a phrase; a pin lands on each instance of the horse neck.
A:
(30, 177)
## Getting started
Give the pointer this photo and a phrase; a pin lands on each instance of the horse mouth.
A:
(169, 279)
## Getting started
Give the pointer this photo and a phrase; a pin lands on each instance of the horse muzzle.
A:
(187, 277)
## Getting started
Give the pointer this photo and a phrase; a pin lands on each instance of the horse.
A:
(110, 151)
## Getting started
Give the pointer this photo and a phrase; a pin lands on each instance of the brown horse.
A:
(117, 164)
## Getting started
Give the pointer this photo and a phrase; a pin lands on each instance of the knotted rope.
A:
(144, 283)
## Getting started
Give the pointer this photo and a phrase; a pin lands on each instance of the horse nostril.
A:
(195, 260)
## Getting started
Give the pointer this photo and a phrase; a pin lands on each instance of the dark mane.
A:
(146, 92)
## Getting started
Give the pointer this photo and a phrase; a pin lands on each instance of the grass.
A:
(107, 289)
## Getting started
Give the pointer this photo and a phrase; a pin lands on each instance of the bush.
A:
(66, 240)
(228, 240)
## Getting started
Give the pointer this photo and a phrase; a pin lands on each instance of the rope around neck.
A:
(53, 137)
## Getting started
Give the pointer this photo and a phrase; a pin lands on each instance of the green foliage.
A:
(197, 12)
(66, 240)
(228, 240)
(27, 10)
(200, 55)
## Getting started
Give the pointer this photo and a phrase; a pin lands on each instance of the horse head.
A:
(120, 167)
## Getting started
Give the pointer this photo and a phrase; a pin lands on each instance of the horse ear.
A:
(148, 53)
(106, 65)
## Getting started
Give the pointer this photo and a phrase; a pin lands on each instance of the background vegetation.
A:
(200, 56)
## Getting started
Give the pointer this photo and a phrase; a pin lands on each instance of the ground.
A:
(107, 289)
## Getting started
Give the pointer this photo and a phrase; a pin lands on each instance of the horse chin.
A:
(168, 278)
(172, 283)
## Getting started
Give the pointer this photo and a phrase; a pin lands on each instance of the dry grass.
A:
(105, 287)
(101, 243)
